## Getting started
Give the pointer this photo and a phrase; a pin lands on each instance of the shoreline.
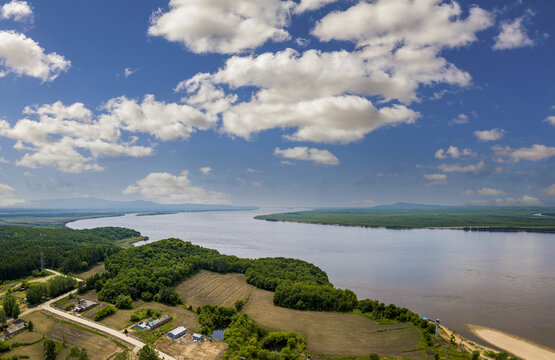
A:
(513, 344)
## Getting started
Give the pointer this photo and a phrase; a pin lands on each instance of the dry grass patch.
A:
(97, 269)
(335, 333)
(185, 348)
(215, 289)
(98, 347)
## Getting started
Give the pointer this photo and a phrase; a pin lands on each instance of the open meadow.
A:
(336, 333)
(98, 347)
(97, 269)
(214, 289)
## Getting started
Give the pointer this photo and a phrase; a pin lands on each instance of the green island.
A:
(412, 216)
(270, 308)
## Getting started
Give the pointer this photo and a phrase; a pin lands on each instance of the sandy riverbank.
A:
(513, 344)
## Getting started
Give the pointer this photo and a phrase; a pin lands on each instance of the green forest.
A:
(65, 250)
(470, 218)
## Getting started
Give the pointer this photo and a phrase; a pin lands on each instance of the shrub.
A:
(102, 313)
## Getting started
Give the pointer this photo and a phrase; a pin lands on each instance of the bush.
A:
(373, 356)
(124, 302)
(147, 296)
(102, 313)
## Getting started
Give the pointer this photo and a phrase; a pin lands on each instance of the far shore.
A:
(513, 344)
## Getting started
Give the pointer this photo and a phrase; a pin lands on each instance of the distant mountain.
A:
(92, 204)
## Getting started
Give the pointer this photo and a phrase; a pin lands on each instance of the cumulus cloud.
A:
(166, 188)
(489, 135)
(459, 120)
(416, 23)
(222, 26)
(72, 139)
(453, 152)
(490, 192)
(309, 5)
(7, 196)
(550, 120)
(475, 168)
(23, 56)
(436, 179)
(304, 153)
(207, 170)
(16, 10)
(550, 190)
(513, 35)
(534, 153)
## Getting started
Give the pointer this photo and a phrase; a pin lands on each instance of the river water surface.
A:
(504, 281)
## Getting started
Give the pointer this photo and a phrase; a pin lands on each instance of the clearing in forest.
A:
(215, 289)
(97, 269)
(336, 333)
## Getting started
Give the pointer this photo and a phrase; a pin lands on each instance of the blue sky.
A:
(290, 103)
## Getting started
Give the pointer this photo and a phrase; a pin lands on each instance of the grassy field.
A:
(97, 269)
(214, 289)
(335, 333)
(477, 218)
(45, 218)
(98, 347)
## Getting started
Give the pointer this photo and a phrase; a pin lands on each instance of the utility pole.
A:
(41, 255)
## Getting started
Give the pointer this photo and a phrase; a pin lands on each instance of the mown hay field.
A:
(336, 333)
(97, 269)
(98, 347)
(215, 289)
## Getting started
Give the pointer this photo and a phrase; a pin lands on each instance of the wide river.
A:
(504, 281)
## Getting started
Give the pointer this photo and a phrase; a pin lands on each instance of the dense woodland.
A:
(151, 270)
(66, 250)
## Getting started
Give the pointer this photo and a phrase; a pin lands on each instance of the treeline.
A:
(54, 287)
(66, 250)
(150, 271)
(303, 296)
(246, 339)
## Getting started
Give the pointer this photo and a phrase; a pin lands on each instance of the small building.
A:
(177, 332)
(84, 305)
(16, 328)
(149, 325)
(198, 337)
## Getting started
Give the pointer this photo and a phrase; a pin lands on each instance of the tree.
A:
(124, 302)
(3, 317)
(374, 356)
(35, 294)
(83, 354)
(476, 355)
(30, 326)
(148, 353)
(9, 304)
(16, 311)
(49, 348)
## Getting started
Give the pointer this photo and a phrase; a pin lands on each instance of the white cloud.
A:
(525, 200)
(534, 153)
(72, 139)
(453, 152)
(302, 42)
(550, 190)
(3, 161)
(459, 120)
(489, 135)
(475, 168)
(257, 183)
(23, 56)
(439, 94)
(436, 179)
(127, 72)
(286, 162)
(207, 170)
(414, 23)
(253, 171)
(222, 26)
(550, 120)
(305, 153)
(166, 188)
(7, 196)
(490, 192)
(331, 120)
(16, 10)
(513, 35)
(469, 192)
(309, 5)
(166, 121)
(203, 94)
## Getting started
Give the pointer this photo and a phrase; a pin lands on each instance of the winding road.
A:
(89, 323)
